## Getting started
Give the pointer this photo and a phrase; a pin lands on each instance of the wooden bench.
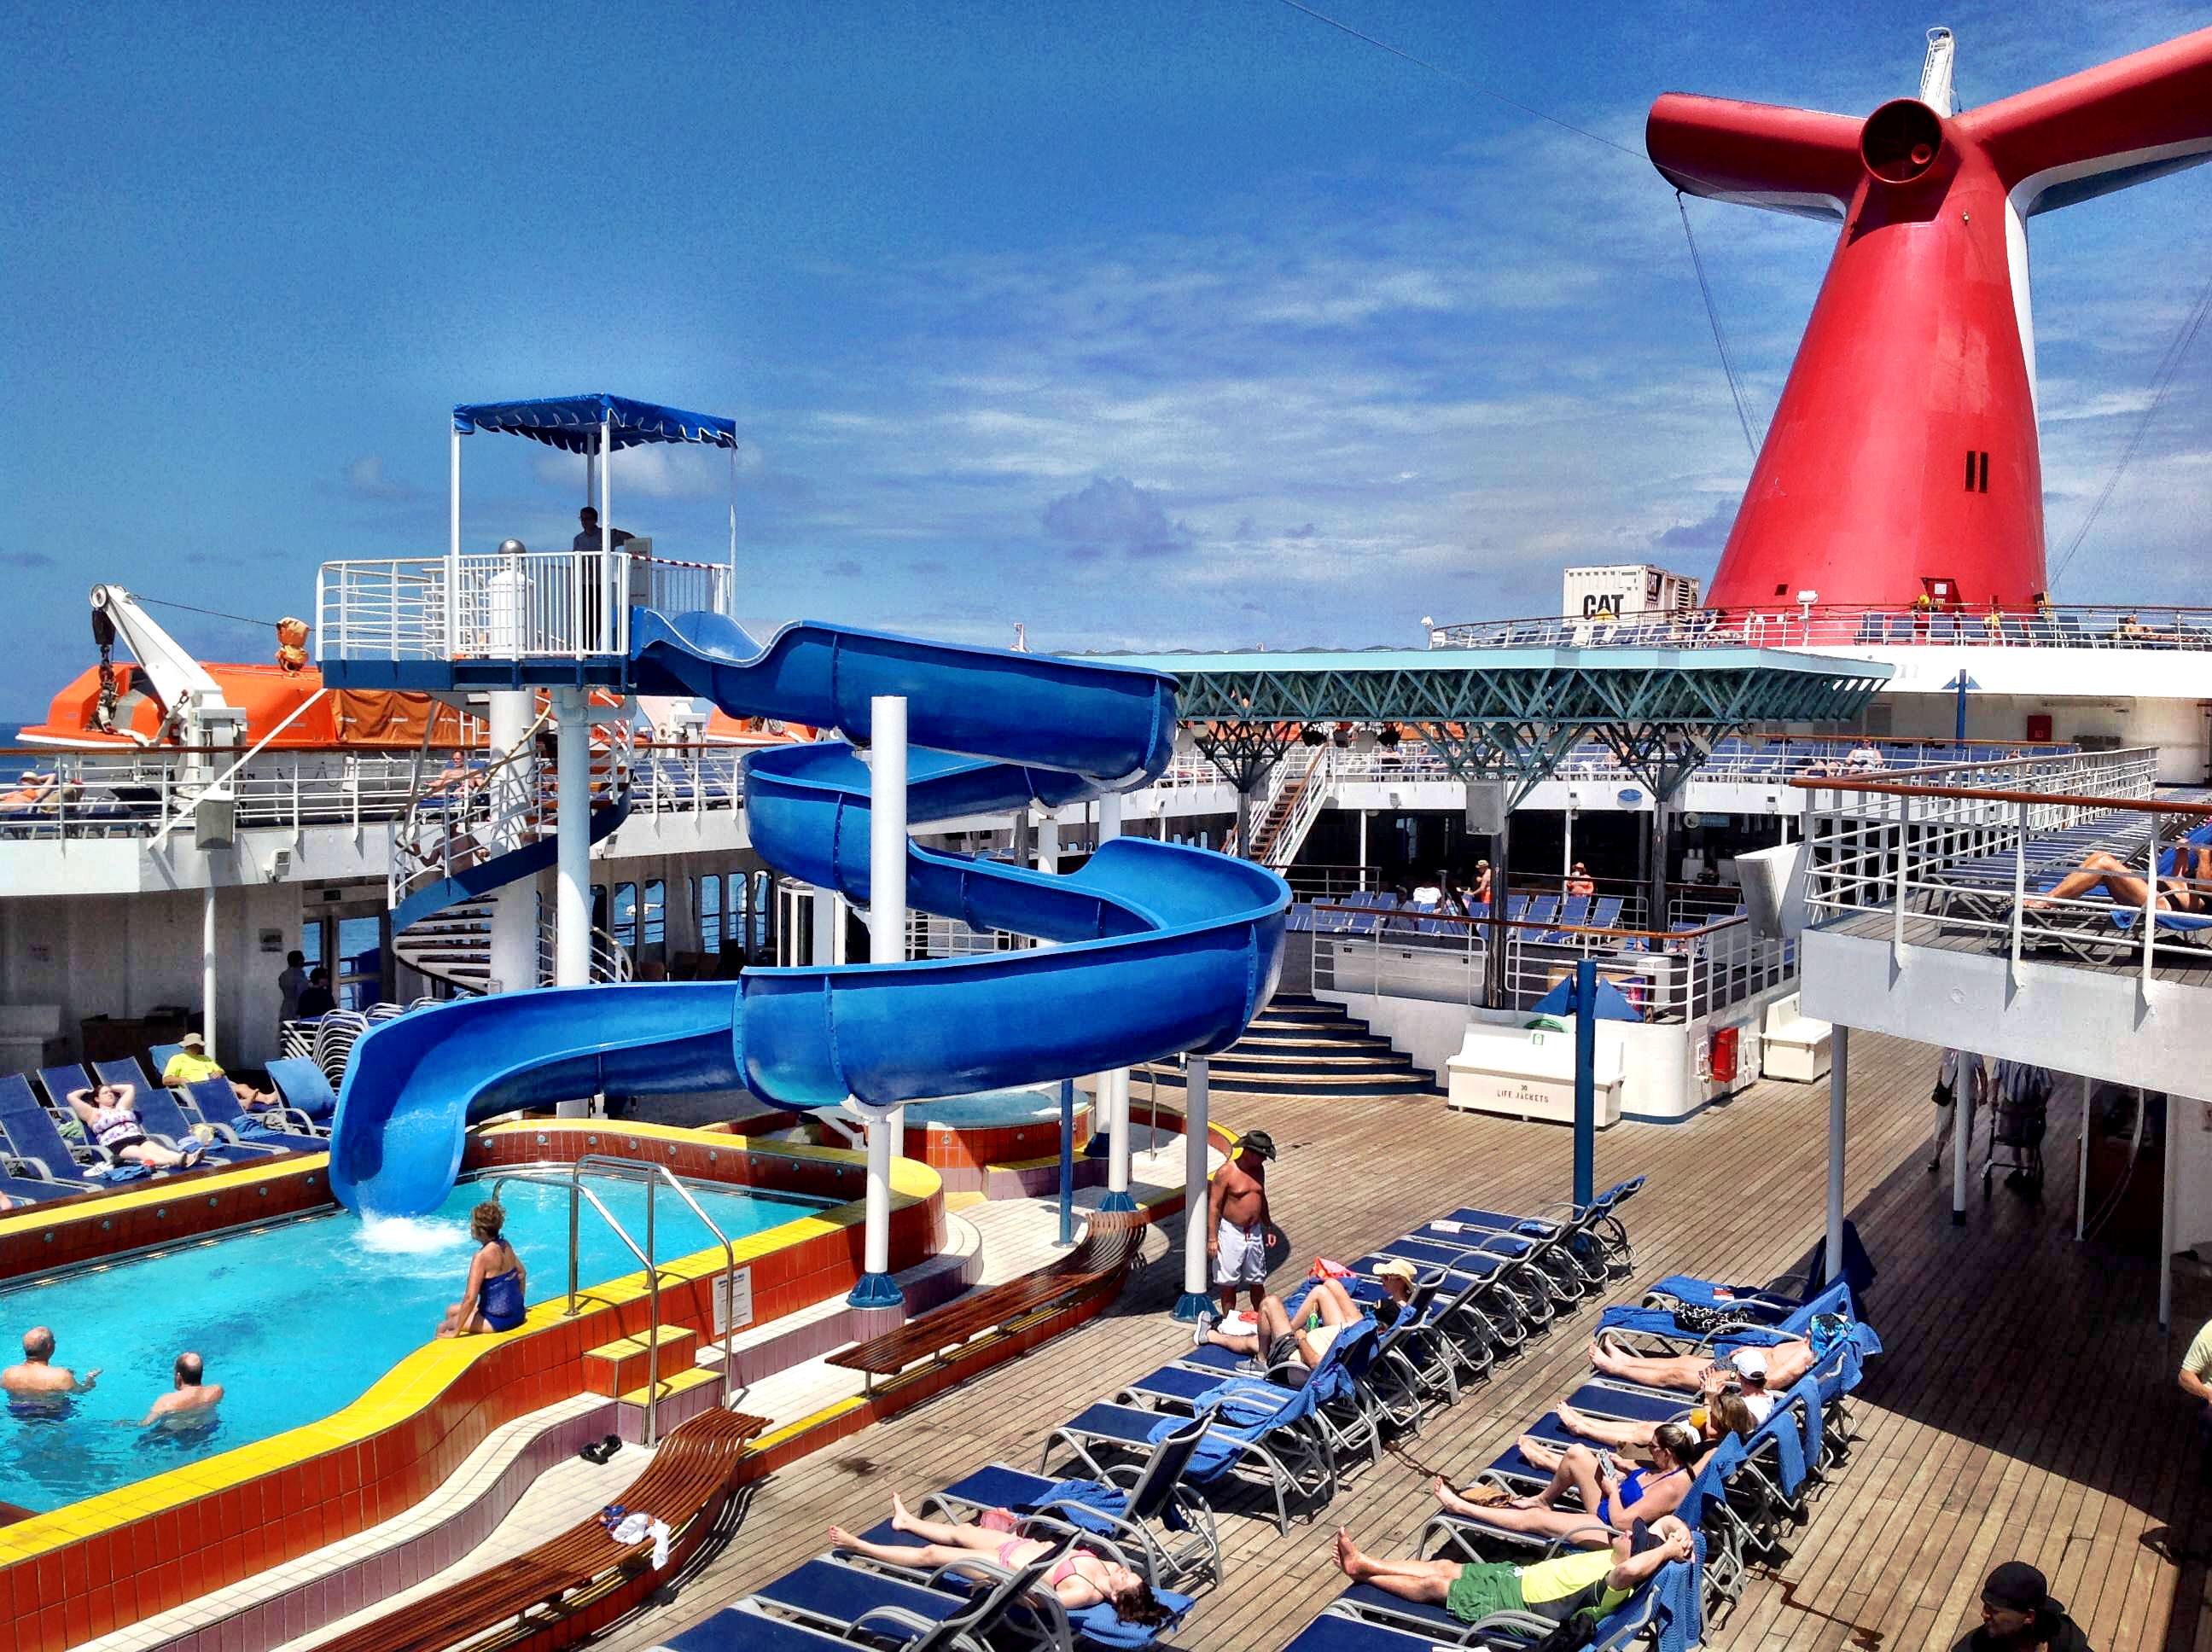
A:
(691, 1477)
(1112, 1240)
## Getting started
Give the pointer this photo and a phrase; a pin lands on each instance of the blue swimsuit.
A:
(499, 1301)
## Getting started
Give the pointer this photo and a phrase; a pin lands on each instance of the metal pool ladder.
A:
(652, 1175)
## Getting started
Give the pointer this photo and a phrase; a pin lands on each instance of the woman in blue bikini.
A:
(1606, 1495)
(493, 1299)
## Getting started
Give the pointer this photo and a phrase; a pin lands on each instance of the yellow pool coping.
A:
(413, 1384)
(155, 1191)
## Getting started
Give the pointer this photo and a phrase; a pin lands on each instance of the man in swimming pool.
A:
(37, 1376)
(187, 1403)
(1591, 1581)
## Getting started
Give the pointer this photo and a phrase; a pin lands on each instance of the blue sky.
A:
(1145, 324)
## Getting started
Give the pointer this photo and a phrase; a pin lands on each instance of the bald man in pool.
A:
(188, 1403)
(38, 1377)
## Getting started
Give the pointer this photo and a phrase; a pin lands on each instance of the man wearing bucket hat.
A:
(2019, 1615)
(1236, 1222)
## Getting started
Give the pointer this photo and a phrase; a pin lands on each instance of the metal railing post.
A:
(1903, 832)
(2150, 910)
(2018, 887)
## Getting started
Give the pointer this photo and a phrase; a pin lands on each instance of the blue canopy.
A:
(573, 422)
(1613, 1004)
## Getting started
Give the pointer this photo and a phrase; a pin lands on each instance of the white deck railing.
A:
(1790, 625)
(534, 605)
(1667, 978)
(126, 794)
(1971, 857)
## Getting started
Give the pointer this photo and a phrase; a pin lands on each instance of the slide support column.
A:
(886, 945)
(1197, 1282)
(1114, 1085)
(514, 961)
(1838, 1090)
(1585, 1082)
(572, 905)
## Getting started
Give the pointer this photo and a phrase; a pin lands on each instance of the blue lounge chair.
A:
(218, 1105)
(35, 1141)
(1341, 1408)
(1482, 1312)
(305, 1086)
(164, 1122)
(849, 1604)
(1522, 1284)
(1262, 1433)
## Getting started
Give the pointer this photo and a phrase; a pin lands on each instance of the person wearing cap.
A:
(1479, 894)
(190, 1066)
(1237, 1220)
(1580, 885)
(1583, 1583)
(1283, 1339)
(1397, 1278)
(2018, 1615)
(1768, 1370)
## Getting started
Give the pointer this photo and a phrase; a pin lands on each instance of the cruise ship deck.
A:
(1993, 1428)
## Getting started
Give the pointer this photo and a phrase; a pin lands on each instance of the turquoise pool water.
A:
(297, 1320)
(992, 1107)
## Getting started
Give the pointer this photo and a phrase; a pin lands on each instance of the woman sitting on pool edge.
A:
(1080, 1579)
(492, 1300)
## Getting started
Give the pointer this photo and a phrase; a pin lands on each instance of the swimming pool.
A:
(991, 1108)
(299, 1319)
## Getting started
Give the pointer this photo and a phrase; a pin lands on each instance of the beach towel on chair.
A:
(1681, 1590)
(1099, 1626)
(1244, 1411)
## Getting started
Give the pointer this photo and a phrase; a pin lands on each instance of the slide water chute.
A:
(1155, 948)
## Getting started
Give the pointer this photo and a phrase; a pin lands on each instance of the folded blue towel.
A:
(1098, 1626)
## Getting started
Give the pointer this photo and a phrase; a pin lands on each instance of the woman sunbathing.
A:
(1722, 1413)
(110, 1115)
(1607, 1496)
(2190, 890)
(1763, 1372)
(1081, 1579)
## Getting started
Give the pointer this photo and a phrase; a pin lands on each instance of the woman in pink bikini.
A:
(1081, 1579)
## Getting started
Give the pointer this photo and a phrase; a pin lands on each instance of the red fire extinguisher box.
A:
(1723, 1054)
(2038, 726)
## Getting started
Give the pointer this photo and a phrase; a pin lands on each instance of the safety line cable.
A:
(1453, 75)
(2162, 381)
(1720, 338)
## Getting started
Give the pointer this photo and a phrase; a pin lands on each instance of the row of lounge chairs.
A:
(40, 1161)
(1978, 891)
(1381, 913)
(1748, 1494)
(1140, 1476)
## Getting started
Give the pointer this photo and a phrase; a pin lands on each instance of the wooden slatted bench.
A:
(1112, 1240)
(692, 1475)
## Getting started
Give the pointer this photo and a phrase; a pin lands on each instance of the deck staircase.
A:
(1286, 810)
(463, 840)
(1300, 1046)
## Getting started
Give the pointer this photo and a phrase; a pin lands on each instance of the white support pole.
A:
(453, 557)
(1839, 1086)
(2169, 1211)
(1363, 849)
(1962, 1134)
(2082, 1169)
(1047, 841)
(514, 961)
(208, 963)
(1116, 1084)
(607, 596)
(572, 901)
(1196, 1280)
(887, 851)
(1567, 846)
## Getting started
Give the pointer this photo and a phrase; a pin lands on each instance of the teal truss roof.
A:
(1512, 713)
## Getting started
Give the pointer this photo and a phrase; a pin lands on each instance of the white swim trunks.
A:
(1243, 1258)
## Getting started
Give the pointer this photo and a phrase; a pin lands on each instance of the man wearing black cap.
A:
(1236, 1222)
(2018, 1615)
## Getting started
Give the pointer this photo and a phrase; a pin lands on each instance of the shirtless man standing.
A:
(38, 1378)
(185, 1406)
(1237, 1221)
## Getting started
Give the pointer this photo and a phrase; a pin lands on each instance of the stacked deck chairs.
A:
(1747, 1497)
(1140, 1476)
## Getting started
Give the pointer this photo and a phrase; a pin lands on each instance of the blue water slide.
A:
(1155, 948)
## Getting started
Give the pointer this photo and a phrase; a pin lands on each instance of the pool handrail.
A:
(661, 1172)
(577, 1190)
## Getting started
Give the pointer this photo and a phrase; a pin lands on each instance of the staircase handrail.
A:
(1280, 776)
(652, 1172)
(461, 801)
(1305, 808)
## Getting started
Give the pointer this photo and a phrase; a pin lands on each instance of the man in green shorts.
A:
(1587, 1581)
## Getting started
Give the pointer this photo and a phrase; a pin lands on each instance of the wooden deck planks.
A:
(2025, 1406)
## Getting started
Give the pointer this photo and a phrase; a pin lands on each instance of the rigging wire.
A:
(2163, 380)
(1720, 338)
(1453, 75)
(212, 613)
